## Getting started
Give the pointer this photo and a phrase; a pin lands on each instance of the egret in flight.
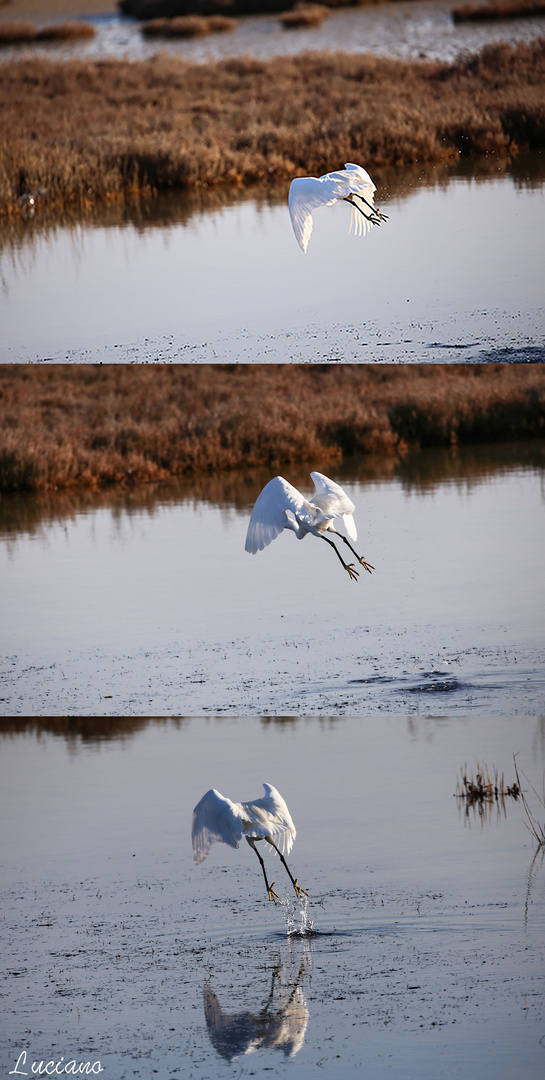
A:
(217, 818)
(352, 184)
(281, 506)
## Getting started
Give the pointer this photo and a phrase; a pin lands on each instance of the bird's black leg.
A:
(297, 887)
(375, 217)
(367, 565)
(271, 893)
(349, 567)
(373, 209)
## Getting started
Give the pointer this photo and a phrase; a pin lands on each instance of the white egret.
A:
(217, 818)
(352, 184)
(281, 506)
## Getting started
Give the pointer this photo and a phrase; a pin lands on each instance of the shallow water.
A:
(427, 957)
(455, 274)
(145, 600)
(408, 30)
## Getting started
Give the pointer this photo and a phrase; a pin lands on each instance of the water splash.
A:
(298, 921)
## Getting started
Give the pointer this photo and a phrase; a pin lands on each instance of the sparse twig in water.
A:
(537, 830)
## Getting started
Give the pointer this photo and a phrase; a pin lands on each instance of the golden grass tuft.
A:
(67, 31)
(304, 15)
(17, 33)
(182, 26)
(71, 426)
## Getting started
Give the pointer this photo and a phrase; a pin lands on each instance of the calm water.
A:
(455, 274)
(146, 601)
(428, 951)
(409, 30)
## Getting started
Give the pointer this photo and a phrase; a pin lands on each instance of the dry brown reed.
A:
(221, 24)
(91, 131)
(67, 31)
(65, 426)
(304, 14)
(498, 9)
(481, 792)
(532, 824)
(17, 33)
(188, 26)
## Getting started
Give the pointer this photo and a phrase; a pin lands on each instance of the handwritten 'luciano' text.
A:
(56, 1068)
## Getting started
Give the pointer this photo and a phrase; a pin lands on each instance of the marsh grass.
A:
(67, 31)
(483, 793)
(304, 14)
(17, 33)
(534, 826)
(97, 131)
(482, 787)
(499, 9)
(84, 425)
(185, 26)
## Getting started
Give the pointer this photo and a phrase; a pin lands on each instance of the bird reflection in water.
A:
(280, 1023)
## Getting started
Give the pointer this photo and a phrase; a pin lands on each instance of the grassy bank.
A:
(93, 131)
(72, 426)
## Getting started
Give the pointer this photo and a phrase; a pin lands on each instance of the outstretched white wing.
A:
(269, 513)
(215, 818)
(308, 193)
(270, 817)
(331, 498)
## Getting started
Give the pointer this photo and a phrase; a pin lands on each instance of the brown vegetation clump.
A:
(499, 9)
(221, 24)
(65, 426)
(92, 131)
(18, 33)
(67, 31)
(304, 14)
(183, 26)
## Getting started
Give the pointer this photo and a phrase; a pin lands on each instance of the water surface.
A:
(428, 951)
(407, 29)
(455, 274)
(145, 600)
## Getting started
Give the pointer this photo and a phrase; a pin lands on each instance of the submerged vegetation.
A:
(96, 131)
(65, 426)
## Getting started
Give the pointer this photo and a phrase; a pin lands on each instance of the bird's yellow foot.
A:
(272, 894)
(299, 889)
(368, 566)
(353, 573)
(383, 217)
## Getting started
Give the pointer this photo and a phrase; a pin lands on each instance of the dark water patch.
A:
(437, 683)
(530, 354)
